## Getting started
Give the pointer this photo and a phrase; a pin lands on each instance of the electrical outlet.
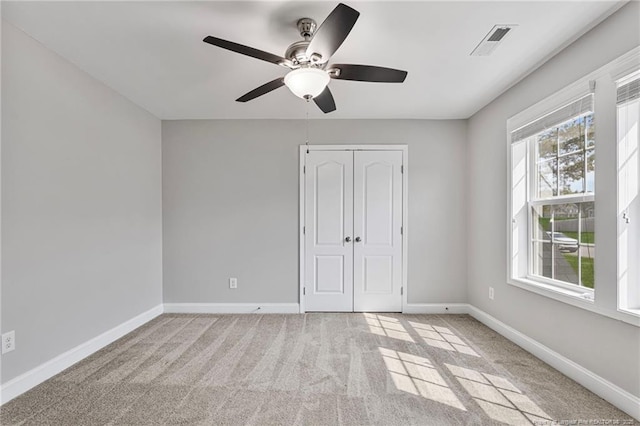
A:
(8, 341)
(490, 293)
(233, 283)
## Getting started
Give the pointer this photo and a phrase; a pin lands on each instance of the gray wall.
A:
(81, 200)
(230, 205)
(607, 347)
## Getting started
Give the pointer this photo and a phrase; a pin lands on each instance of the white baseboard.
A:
(436, 308)
(34, 377)
(231, 308)
(617, 396)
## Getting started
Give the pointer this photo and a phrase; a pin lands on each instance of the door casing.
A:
(301, 214)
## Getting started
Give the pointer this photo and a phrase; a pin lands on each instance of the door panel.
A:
(329, 203)
(377, 188)
(329, 220)
(329, 274)
(378, 274)
(377, 221)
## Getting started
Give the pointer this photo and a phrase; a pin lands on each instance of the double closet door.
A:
(353, 214)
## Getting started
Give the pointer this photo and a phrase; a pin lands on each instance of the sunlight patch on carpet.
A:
(442, 337)
(417, 375)
(387, 326)
(498, 397)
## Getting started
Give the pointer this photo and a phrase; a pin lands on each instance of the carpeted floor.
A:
(312, 369)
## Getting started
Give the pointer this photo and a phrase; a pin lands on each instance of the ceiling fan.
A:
(308, 59)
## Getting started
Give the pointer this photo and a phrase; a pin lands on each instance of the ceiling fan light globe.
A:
(307, 83)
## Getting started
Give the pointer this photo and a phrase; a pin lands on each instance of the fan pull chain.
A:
(307, 126)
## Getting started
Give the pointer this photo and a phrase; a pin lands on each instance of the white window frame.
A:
(627, 252)
(605, 300)
(574, 289)
(531, 201)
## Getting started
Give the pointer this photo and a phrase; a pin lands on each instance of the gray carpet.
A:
(313, 369)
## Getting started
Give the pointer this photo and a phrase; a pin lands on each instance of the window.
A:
(628, 162)
(556, 207)
(555, 147)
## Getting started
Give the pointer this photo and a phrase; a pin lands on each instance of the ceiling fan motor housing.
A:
(297, 52)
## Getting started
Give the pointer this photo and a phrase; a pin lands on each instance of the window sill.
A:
(574, 298)
(630, 311)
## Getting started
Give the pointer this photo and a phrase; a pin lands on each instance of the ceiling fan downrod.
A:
(307, 28)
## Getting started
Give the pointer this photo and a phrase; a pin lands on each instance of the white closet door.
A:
(377, 247)
(329, 224)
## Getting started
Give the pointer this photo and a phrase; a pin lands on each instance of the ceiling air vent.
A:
(491, 40)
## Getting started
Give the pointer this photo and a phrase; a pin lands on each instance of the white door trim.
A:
(301, 214)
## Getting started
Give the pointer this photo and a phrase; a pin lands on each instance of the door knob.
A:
(358, 239)
(348, 239)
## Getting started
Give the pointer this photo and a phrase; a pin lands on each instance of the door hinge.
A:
(402, 168)
(304, 230)
(401, 291)
(401, 230)
(304, 291)
(304, 169)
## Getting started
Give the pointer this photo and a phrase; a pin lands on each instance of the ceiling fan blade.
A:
(246, 50)
(368, 73)
(325, 101)
(332, 32)
(262, 90)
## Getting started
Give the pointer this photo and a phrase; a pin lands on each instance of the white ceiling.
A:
(153, 54)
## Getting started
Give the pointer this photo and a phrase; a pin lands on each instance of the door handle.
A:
(348, 239)
(358, 239)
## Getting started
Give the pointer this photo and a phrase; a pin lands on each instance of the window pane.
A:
(551, 262)
(591, 130)
(566, 263)
(565, 227)
(565, 217)
(542, 260)
(587, 219)
(547, 144)
(586, 263)
(571, 171)
(571, 136)
(565, 159)
(591, 167)
(587, 244)
(565, 242)
(541, 225)
(547, 178)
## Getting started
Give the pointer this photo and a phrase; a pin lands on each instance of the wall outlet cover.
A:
(8, 341)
